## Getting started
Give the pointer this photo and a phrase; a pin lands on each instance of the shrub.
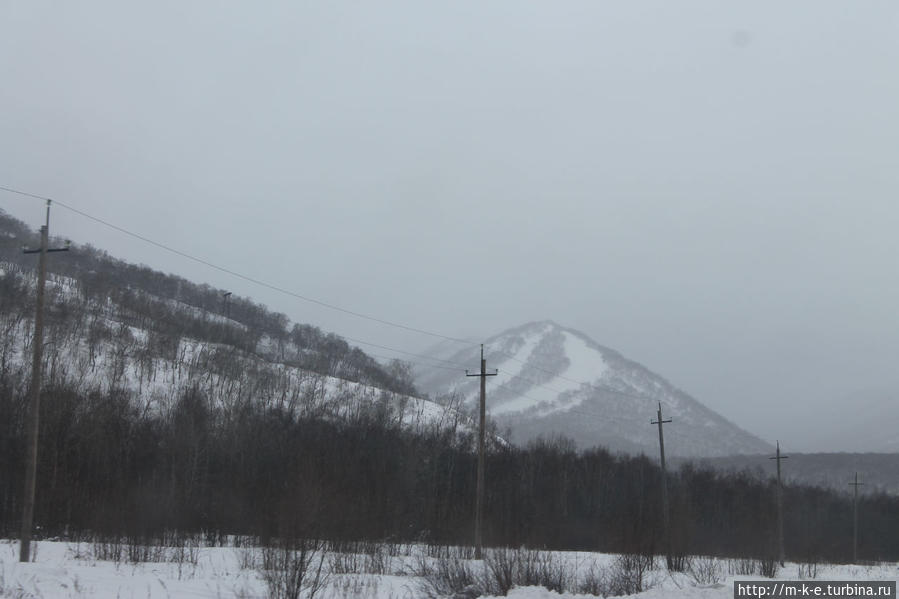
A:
(628, 574)
(292, 566)
(705, 570)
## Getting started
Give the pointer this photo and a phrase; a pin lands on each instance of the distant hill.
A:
(557, 381)
(878, 471)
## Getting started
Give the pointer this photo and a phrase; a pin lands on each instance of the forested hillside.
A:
(92, 293)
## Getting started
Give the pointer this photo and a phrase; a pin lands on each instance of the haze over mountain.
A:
(554, 380)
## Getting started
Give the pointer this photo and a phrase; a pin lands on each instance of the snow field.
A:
(71, 570)
(74, 570)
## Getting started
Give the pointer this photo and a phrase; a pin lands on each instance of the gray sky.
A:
(708, 187)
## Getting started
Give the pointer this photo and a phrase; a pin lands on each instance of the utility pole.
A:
(226, 304)
(666, 522)
(856, 485)
(479, 498)
(780, 507)
(226, 312)
(34, 413)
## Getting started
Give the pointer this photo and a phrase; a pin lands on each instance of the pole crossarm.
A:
(782, 457)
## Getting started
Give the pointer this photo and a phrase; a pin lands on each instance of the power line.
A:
(237, 274)
(345, 311)
(25, 193)
(457, 368)
(326, 304)
(458, 364)
(264, 284)
(411, 362)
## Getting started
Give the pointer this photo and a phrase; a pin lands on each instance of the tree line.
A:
(106, 467)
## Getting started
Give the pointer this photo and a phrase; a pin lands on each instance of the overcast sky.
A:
(710, 188)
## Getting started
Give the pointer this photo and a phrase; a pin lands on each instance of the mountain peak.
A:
(553, 379)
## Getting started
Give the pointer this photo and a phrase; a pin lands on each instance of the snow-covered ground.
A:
(73, 570)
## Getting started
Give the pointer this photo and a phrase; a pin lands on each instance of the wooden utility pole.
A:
(34, 410)
(226, 304)
(856, 485)
(780, 507)
(666, 521)
(479, 498)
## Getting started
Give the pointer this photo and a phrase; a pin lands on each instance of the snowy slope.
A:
(96, 351)
(555, 380)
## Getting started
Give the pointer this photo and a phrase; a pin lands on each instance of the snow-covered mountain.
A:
(554, 380)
